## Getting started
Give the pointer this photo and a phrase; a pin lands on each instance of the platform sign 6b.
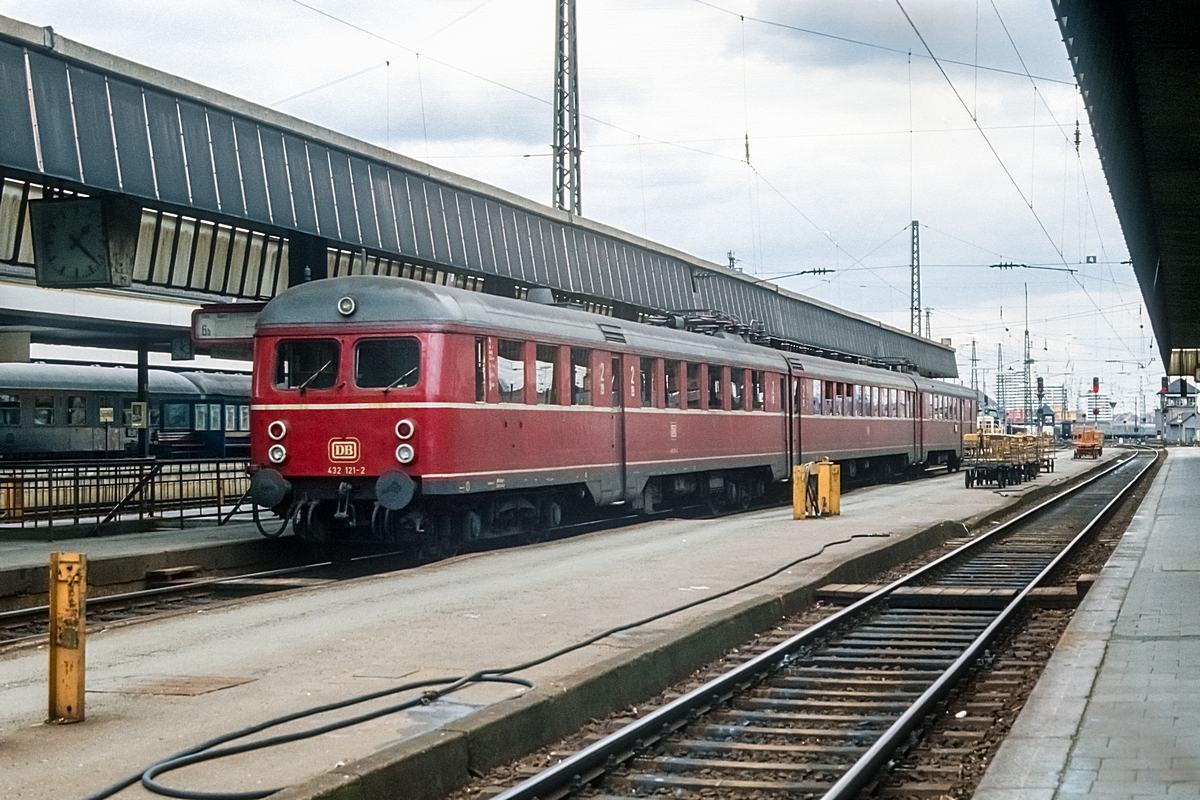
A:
(344, 451)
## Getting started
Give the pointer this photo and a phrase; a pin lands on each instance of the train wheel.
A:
(969, 477)
(471, 526)
(450, 537)
(420, 526)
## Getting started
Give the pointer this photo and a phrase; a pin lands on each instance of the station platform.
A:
(119, 561)
(1116, 714)
(160, 686)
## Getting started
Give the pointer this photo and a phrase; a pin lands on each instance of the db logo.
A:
(343, 449)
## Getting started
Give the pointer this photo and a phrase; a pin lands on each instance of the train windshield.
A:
(307, 363)
(387, 363)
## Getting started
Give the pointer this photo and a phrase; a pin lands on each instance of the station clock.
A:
(82, 242)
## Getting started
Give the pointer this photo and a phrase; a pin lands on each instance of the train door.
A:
(619, 379)
(919, 413)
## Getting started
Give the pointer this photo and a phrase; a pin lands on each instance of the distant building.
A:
(1176, 419)
(1095, 407)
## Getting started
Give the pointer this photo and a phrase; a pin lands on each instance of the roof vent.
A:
(541, 295)
(612, 333)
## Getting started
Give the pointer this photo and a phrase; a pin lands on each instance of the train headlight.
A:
(345, 306)
(277, 430)
(405, 453)
(277, 453)
(405, 429)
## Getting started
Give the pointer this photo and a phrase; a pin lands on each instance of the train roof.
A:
(381, 301)
(225, 384)
(72, 377)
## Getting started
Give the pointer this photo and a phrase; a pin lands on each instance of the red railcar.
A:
(413, 413)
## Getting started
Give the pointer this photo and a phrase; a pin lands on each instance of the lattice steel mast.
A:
(914, 325)
(566, 110)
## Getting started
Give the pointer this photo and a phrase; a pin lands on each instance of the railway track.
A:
(823, 712)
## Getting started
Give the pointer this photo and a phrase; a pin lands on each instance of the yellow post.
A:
(799, 487)
(68, 611)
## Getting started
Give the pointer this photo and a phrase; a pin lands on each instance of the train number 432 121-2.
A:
(346, 471)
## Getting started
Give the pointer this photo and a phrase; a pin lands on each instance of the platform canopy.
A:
(238, 200)
(1138, 66)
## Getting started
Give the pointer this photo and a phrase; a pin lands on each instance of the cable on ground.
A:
(205, 750)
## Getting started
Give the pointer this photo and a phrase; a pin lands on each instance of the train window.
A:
(510, 369)
(904, 404)
(76, 410)
(306, 364)
(693, 385)
(231, 418)
(243, 418)
(816, 396)
(859, 390)
(873, 402)
(43, 411)
(714, 387)
(545, 385)
(671, 383)
(214, 416)
(758, 399)
(480, 369)
(827, 400)
(387, 363)
(737, 389)
(894, 410)
(176, 416)
(10, 409)
(581, 377)
(617, 393)
(201, 416)
(647, 368)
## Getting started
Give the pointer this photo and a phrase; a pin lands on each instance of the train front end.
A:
(341, 408)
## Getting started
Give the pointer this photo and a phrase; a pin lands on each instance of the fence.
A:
(45, 494)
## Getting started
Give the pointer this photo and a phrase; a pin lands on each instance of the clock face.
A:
(70, 247)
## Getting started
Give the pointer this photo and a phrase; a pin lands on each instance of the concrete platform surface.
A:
(1116, 714)
(160, 686)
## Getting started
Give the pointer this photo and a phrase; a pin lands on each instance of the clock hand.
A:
(75, 243)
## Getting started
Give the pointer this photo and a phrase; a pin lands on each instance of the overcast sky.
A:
(850, 138)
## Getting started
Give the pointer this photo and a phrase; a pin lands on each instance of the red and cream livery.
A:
(411, 412)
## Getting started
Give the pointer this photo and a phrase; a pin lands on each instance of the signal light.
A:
(1041, 388)
(1095, 384)
(1166, 384)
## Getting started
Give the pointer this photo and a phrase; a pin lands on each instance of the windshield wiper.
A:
(398, 381)
(313, 377)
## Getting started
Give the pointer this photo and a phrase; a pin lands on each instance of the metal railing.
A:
(98, 493)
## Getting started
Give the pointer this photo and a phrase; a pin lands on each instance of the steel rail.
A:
(602, 756)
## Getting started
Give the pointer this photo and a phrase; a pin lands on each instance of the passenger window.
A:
(480, 369)
(617, 394)
(874, 401)
(894, 410)
(904, 404)
(214, 416)
(546, 386)
(647, 367)
(829, 386)
(758, 399)
(77, 410)
(737, 389)
(201, 416)
(714, 387)
(10, 409)
(510, 369)
(816, 397)
(306, 364)
(243, 418)
(858, 400)
(176, 416)
(387, 363)
(43, 411)
(581, 377)
(693, 385)
(671, 384)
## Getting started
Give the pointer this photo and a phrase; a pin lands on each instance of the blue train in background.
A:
(56, 411)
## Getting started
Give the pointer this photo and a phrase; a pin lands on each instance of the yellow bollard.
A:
(816, 490)
(68, 611)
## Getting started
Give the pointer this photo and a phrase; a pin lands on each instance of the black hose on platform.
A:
(205, 751)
